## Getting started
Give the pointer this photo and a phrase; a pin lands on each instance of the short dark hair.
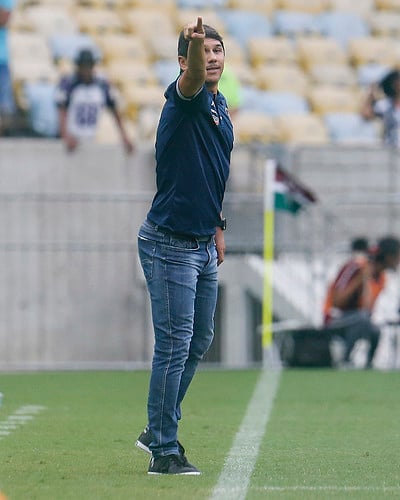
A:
(210, 32)
(387, 83)
(388, 245)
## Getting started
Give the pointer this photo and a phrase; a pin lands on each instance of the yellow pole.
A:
(269, 220)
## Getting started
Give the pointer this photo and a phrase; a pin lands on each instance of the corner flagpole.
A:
(269, 226)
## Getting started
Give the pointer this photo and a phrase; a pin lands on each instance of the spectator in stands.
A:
(7, 105)
(181, 242)
(353, 293)
(80, 99)
(383, 101)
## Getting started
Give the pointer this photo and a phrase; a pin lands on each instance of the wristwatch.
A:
(222, 224)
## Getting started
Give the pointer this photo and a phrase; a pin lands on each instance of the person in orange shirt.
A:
(353, 293)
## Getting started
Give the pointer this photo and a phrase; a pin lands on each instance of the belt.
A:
(179, 236)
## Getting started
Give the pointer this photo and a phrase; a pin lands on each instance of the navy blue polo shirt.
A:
(193, 148)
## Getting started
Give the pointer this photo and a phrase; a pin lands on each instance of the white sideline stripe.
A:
(234, 479)
(21, 416)
(382, 489)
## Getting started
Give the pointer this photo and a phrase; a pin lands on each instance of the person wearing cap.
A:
(81, 98)
(383, 102)
(353, 293)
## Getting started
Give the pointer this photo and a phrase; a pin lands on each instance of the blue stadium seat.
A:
(245, 24)
(343, 26)
(43, 115)
(166, 70)
(368, 74)
(273, 103)
(66, 46)
(293, 24)
(351, 127)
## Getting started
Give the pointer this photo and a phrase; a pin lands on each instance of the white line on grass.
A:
(20, 417)
(234, 479)
(383, 489)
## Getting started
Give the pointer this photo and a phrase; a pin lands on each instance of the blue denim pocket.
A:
(147, 249)
(181, 243)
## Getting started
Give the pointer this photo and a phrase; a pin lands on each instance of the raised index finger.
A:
(199, 27)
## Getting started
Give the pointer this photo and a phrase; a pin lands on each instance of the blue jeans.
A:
(7, 105)
(181, 276)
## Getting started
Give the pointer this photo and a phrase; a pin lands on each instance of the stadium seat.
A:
(351, 128)
(369, 74)
(123, 46)
(166, 71)
(28, 46)
(285, 77)
(318, 50)
(388, 4)
(301, 129)
(163, 47)
(364, 7)
(124, 74)
(264, 6)
(271, 50)
(210, 17)
(293, 24)
(48, 20)
(137, 97)
(341, 75)
(107, 131)
(32, 70)
(327, 99)
(343, 26)
(246, 24)
(67, 46)
(385, 23)
(235, 53)
(244, 72)
(367, 50)
(253, 126)
(201, 4)
(275, 103)
(42, 111)
(165, 5)
(145, 22)
(312, 6)
(98, 21)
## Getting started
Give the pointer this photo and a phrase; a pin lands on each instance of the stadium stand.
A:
(307, 57)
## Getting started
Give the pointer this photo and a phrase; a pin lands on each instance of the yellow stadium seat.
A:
(137, 97)
(98, 21)
(123, 73)
(287, 78)
(123, 46)
(271, 50)
(147, 23)
(210, 17)
(388, 4)
(265, 6)
(51, 19)
(169, 5)
(312, 6)
(368, 50)
(361, 7)
(164, 47)
(107, 132)
(385, 23)
(30, 70)
(329, 99)
(244, 72)
(28, 46)
(342, 75)
(317, 50)
(301, 129)
(253, 126)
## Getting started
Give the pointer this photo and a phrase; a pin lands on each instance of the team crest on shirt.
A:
(214, 113)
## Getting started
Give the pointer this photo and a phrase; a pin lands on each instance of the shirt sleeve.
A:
(6, 4)
(195, 103)
(110, 94)
(381, 107)
(63, 93)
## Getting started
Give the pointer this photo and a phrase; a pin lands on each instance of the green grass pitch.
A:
(331, 434)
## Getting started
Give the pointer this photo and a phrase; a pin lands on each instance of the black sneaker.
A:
(172, 464)
(145, 438)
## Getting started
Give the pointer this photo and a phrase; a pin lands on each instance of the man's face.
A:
(85, 72)
(215, 58)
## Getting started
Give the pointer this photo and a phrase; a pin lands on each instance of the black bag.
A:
(305, 347)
